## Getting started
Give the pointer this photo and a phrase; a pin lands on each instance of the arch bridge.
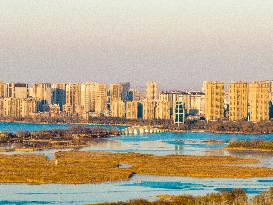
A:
(140, 130)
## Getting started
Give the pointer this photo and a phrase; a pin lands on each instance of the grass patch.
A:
(84, 167)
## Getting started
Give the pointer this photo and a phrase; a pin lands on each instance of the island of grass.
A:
(74, 136)
(84, 167)
(258, 145)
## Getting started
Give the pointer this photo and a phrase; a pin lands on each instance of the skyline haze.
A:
(176, 43)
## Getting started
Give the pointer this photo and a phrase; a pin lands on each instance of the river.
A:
(147, 187)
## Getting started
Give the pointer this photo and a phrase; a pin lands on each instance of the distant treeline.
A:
(234, 197)
(227, 126)
(252, 144)
(93, 120)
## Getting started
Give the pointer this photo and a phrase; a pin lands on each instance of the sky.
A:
(177, 43)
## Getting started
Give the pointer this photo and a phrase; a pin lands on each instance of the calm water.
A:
(14, 126)
(140, 186)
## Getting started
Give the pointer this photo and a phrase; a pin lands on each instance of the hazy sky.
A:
(178, 43)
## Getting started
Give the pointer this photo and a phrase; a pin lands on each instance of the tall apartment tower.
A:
(214, 99)
(58, 95)
(238, 101)
(118, 109)
(88, 97)
(151, 90)
(132, 109)
(163, 110)
(100, 98)
(73, 97)
(8, 90)
(1, 89)
(119, 91)
(149, 109)
(116, 92)
(259, 96)
(21, 90)
(125, 91)
(132, 94)
(41, 92)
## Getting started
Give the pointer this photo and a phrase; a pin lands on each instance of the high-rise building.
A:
(125, 90)
(1, 107)
(238, 101)
(118, 109)
(9, 90)
(197, 103)
(119, 91)
(58, 95)
(116, 92)
(27, 107)
(163, 110)
(132, 95)
(259, 98)
(15, 107)
(1, 89)
(100, 98)
(41, 92)
(171, 97)
(149, 108)
(214, 99)
(88, 97)
(151, 90)
(132, 109)
(21, 90)
(73, 97)
(271, 91)
(10, 107)
(179, 113)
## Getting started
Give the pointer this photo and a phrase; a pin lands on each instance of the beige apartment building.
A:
(41, 92)
(151, 90)
(1, 89)
(73, 97)
(21, 90)
(15, 107)
(149, 109)
(163, 110)
(132, 109)
(8, 91)
(116, 91)
(214, 100)
(118, 108)
(238, 101)
(197, 103)
(259, 97)
(27, 107)
(100, 98)
(88, 97)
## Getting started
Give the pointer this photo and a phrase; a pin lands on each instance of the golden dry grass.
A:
(84, 167)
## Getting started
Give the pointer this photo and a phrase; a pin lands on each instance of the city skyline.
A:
(175, 43)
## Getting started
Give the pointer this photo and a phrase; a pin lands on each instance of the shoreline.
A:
(246, 149)
(130, 125)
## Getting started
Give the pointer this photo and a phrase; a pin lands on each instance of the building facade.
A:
(238, 101)
(58, 95)
(151, 90)
(118, 109)
(259, 98)
(214, 100)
